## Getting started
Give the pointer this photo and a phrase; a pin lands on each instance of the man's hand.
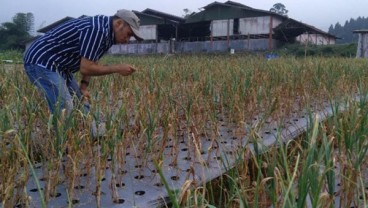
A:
(125, 69)
(86, 96)
(83, 88)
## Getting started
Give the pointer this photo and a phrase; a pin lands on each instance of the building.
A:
(218, 27)
(234, 21)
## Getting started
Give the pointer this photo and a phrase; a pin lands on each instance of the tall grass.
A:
(186, 98)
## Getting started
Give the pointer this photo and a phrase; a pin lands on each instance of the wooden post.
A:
(211, 35)
(248, 41)
(228, 33)
(316, 39)
(156, 39)
(270, 34)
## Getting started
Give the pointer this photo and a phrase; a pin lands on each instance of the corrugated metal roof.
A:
(292, 28)
(234, 10)
(241, 6)
(163, 15)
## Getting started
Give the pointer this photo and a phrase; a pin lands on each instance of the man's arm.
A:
(89, 68)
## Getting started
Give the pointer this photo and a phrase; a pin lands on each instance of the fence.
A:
(217, 46)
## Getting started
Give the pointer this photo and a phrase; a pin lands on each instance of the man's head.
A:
(126, 24)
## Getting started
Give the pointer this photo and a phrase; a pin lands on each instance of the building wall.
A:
(257, 25)
(222, 27)
(248, 25)
(149, 32)
(316, 39)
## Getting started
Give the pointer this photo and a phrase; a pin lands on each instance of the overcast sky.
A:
(319, 13)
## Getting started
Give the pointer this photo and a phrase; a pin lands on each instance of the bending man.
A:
(74, 46)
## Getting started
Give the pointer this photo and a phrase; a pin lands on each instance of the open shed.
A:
(291, 30)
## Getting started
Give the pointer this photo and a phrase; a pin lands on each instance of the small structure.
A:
(362, 51)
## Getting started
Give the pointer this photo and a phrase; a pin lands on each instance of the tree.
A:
(187, 13)
(14, 35)
(345, 32)
(279, 8)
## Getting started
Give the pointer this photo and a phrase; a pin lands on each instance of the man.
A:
(74, 46)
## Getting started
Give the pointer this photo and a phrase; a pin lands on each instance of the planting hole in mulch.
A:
(20, 205)
(139, 177)
(120, 185)
(75, 201)
(229, 152)
(35, 190)
(187, 158)
(83, 175)
(139, 193)
(159, 184)
(79, 187)
(173, 164)
(57, 195)
(119, 201)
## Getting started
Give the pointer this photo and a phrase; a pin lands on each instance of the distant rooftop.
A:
(361, 31)
(51, 26)
(163, 15)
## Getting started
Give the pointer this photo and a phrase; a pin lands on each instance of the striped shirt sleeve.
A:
(92, 42)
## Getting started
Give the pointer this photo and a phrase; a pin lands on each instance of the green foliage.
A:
(15, 34)
(14, 55)
(279, 8)
(345, 32)
(339, 50)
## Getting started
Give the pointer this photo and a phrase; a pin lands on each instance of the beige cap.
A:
(133, 21)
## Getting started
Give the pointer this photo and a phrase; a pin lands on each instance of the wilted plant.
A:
(189, 100)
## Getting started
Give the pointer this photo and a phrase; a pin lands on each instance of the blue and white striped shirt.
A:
(61, 48)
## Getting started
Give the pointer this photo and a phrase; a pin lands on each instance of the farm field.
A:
(177, 121)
